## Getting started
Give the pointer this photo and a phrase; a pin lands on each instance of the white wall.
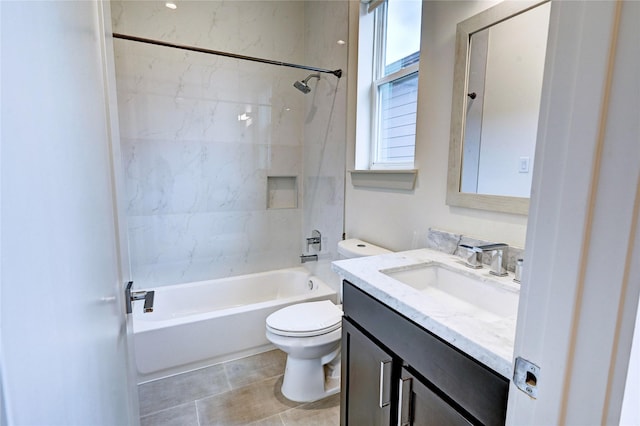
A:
(197, 175)
(390, 219)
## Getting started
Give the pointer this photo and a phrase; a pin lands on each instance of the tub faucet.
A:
(499, 253)
(308, 258)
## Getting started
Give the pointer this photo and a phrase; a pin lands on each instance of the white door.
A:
(63, 347)
(581, 284)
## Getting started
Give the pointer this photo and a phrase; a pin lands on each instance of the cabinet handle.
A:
(404, 402)
(385, 378)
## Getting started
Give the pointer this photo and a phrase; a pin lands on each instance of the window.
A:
(396, 53)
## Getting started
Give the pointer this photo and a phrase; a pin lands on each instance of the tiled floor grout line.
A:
(220, 394)
(263, 379)
(186, 402)
(226, 375)
(285, 411)
(167, 409)
(195, 403)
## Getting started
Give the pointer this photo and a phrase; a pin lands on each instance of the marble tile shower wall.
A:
(200, 135)
(326, 22)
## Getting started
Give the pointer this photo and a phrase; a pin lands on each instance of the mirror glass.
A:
(500, 56)
(504, 83)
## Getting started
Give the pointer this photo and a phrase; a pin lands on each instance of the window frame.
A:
(378, 80)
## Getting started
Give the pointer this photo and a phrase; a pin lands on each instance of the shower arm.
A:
(337, 73)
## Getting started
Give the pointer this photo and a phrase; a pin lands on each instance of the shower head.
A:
(303, 86)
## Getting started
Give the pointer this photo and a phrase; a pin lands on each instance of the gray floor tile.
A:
(176, 390)
(325, 412)
(242, 392)
(255, 368)
(269, 421)
(244, 405)
(182, 415)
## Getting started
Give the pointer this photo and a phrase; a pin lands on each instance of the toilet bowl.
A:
(309, 333)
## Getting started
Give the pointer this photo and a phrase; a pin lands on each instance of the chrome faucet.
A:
(499, 253)
(308, 258)
(131, 296)
(315, 240)
(472, 256)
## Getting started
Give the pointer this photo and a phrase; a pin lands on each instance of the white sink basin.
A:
(460, 291)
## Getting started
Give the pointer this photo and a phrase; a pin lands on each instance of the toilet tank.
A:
(353, 247)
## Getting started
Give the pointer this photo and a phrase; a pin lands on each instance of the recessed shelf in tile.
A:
(282, 192)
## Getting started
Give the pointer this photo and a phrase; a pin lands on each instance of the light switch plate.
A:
(526, 376)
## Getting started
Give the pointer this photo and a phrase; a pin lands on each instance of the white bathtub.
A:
(206, 322)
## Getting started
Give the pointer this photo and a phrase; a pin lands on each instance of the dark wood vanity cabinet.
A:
(394, 372)
(421, 406)
(368, 368)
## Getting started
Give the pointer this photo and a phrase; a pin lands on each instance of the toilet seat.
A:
(305, 319)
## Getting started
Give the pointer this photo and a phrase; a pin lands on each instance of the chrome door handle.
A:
(130, 296)
(127, 296)
(404, 402)
(385, 380)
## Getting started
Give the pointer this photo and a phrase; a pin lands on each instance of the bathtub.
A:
(203, 323)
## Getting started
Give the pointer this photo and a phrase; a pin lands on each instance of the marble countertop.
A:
(486, 338)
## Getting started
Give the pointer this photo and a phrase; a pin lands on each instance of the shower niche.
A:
(282, 192)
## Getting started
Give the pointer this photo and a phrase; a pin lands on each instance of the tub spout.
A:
(308, 258)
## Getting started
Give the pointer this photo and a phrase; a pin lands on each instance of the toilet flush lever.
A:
(130, 296)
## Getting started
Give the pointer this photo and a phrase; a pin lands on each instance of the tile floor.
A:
(241, 392)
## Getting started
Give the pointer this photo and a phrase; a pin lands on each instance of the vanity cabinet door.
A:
(420, 406)
(478, 391)
(366, 380)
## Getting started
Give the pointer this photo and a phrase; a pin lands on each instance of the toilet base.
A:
(305, 380)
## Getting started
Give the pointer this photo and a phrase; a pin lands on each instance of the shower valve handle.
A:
(315, 240)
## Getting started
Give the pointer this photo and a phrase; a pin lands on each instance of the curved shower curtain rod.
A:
(337, 73)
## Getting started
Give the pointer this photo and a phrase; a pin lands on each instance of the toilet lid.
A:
(305, 319)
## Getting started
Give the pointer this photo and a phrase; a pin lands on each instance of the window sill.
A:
(384, 179)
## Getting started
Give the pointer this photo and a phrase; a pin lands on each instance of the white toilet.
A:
(310, 335)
